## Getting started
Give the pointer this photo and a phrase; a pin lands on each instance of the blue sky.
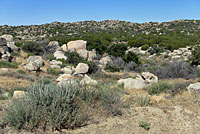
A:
(26, 12)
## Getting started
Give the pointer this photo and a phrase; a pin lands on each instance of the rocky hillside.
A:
(39, 32)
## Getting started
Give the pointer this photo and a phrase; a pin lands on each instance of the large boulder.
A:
(82, 68)
(60, 55)
(53, 46)
(76, 45)
(34, 63)
(148, 78)
(10, 42)
(194, 88)
(9, 38)
(36, 59)
(88, 81)
(131, 83)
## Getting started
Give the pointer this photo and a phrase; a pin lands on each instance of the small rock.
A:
(18, 94)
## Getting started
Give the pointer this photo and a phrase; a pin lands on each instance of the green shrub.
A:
(156, 49)
(21, 72)
(74, 58)
(142, 101)
(145, 47)
(33, 48)
(3, 97)
(8, 64)
(195, 58)
(117, 50)
(52, 71)
(112, 68)
(146, 125)
(15, 54)
(175, 69)
(130, 56)
(60, 107)
(158, 88)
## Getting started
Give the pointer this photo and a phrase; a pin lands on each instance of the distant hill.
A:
(77, 29)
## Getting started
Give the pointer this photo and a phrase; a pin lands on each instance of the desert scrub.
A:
(142, 101)
(175, 69)
(52, 71)
(144, 124)
(8, 64)
(158, 88)
(59, 107)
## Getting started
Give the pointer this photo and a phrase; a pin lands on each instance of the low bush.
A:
(142, 101)
(158, 88)
(32, 48)
(131, 57)
(156, 49)
(195, 58)
(117, 50)
(145, 47)
(60, 107)
(52, 71)
(8, 64)
(144, 124)
(111, 68)
(175, 69)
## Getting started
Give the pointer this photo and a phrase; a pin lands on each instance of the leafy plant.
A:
(8, 64)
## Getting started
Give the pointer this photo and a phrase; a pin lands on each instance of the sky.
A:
(27, 12)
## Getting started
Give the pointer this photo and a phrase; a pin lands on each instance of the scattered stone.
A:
(82, 68)
(18, 94)
(131, 83)
(88, 81)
